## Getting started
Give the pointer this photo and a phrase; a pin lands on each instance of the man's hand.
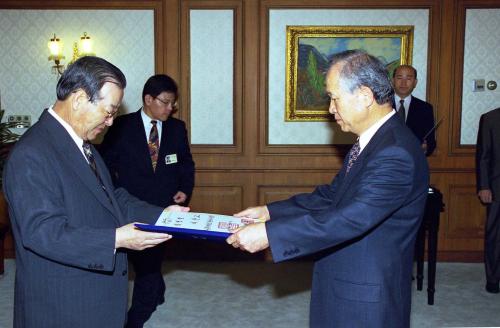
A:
(258, 212)
(180, 197)
(485, 196)
(251, 238)
(424, 146)
(128, 236)
(177, 208)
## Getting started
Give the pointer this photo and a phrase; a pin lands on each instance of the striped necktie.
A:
(153, 144)
(353, 155)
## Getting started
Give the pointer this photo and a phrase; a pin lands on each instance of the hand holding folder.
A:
(197, 225)
(251, 238)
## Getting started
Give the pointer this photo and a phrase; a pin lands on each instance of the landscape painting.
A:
(309, 49)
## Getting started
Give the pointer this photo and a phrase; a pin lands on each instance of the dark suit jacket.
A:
(125, 151)
(420, 120)
(67, 272)
(488, 153)
(365, 223)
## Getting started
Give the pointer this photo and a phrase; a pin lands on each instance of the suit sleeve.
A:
(431, 138)
(384, 186)
(136, 210)
(188, 166)
(483, 155)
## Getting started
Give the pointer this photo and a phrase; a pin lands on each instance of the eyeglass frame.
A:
(108, 113)
(174, 104)
(111, 115)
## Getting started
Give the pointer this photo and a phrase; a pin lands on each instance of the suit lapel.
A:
(142, 142)
(163, 144)
(411, 110)
(353, 172)
(356, 168)
(73, 157)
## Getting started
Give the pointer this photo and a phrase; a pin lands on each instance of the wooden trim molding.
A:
(238, 121)
(456, 148)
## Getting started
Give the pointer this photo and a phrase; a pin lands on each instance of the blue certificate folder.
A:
(195, 225)
(185, 233)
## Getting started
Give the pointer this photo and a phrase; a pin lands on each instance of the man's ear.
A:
(79, 99)
(148, 99)
(366, 96)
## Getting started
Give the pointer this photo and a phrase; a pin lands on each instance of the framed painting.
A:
(308, 52)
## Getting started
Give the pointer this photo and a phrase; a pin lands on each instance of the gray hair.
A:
(362, 69)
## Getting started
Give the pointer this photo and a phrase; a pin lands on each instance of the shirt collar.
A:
(146, 120)
(72, 133)
(366, 136)
(407, 101)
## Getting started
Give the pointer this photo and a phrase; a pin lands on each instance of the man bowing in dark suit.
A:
(366, 221)
(488, 190)
(70, 224)
(147, 153)
(417, 114)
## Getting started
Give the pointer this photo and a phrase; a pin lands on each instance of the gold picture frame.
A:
(308, 49)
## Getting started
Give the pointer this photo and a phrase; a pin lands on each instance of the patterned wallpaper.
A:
(481, 61)
(281, 132)
(27, 86)
(211, 76)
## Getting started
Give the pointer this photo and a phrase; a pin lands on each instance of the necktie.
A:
(353, 155)
(401, 110)
(153, 144)
(90, 157)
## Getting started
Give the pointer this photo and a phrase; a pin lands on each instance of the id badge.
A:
(171, 159)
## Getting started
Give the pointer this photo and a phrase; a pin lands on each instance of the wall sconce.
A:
(83, 48)
(55, 49)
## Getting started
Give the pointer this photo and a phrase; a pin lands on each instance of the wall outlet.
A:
(19, 121)
(478, 85)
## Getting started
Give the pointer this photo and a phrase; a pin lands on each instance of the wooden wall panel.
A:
(268, 194)
(218, 199)
(184, 61)
(463, 221)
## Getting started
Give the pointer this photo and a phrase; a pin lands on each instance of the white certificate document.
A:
(202, 221)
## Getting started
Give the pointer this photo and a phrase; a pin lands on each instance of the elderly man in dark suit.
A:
(147, 153)
(365, 222)
(416, 113)
(488, 189)
(70, 224)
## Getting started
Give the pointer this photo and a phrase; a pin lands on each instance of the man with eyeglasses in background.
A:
(147, 153)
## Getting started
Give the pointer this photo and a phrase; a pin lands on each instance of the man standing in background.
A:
(147, 153)
(416, 113)
(488, 190)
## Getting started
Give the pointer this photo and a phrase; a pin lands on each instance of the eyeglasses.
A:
(110, 114)
(172, 103)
